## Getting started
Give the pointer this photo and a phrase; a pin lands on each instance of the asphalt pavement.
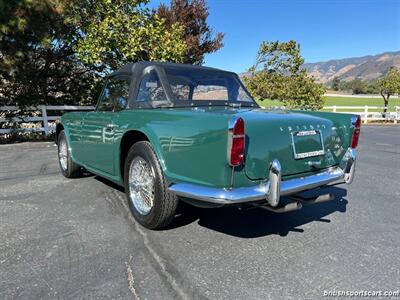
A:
(75, 238)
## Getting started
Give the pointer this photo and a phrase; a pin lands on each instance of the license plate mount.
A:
(307, 144)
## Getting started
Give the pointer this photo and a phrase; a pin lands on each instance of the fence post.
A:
(366, 114)
(334, 108)
(45, 120)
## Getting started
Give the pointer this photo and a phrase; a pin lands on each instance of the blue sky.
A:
(325, 29)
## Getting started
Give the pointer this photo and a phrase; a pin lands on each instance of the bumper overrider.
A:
(272, 189)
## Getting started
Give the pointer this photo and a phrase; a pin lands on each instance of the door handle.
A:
(111, 127)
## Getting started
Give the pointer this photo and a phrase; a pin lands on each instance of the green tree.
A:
(335, 83)
(192, 15)
(37, 61)
(357, 86)
(55, 51)
(277, 75)
(371, 88)
(344, 86)
(389, 85)
(113, 33)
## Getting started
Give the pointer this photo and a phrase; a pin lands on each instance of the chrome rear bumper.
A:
(272, 189)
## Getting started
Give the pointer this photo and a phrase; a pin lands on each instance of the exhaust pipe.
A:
(319, 199)
(292, 206)
(287, 208)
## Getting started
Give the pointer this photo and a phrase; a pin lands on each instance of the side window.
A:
(150, 88)
(180, 91)
(115, 95)
(210, 92)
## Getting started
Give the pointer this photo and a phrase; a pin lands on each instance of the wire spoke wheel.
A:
(141, 185)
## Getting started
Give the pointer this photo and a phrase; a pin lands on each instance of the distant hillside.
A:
(366, 68)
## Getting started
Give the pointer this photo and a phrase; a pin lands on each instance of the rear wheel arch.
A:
(59, 128)
(127, 141)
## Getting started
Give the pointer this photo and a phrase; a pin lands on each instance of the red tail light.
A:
(236, 142)
(356, 121)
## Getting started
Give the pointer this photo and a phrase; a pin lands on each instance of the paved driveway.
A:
(63, 238)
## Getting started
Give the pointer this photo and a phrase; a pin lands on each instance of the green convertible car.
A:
(171, 132)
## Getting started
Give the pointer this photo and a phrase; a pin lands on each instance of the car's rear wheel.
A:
(151, 204)
(68, 167)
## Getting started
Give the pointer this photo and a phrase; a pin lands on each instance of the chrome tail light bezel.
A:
(234, 136)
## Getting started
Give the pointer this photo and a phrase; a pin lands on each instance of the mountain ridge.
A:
(366, 68)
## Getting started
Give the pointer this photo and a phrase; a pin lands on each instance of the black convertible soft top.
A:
(173, 77)
(137, 67)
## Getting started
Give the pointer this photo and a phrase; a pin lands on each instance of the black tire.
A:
(164, 202)
(71, 170)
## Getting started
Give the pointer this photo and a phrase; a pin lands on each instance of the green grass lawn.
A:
(343, 101)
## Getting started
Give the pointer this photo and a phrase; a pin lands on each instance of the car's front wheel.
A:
(151, 204)
(68, 167)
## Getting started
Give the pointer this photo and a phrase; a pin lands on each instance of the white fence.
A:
(369, 113)
(376, 96)
(39, 114)
(48, 122)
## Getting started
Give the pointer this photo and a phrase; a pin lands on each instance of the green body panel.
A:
(191, 143)
(270, 137)
(98, 142)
